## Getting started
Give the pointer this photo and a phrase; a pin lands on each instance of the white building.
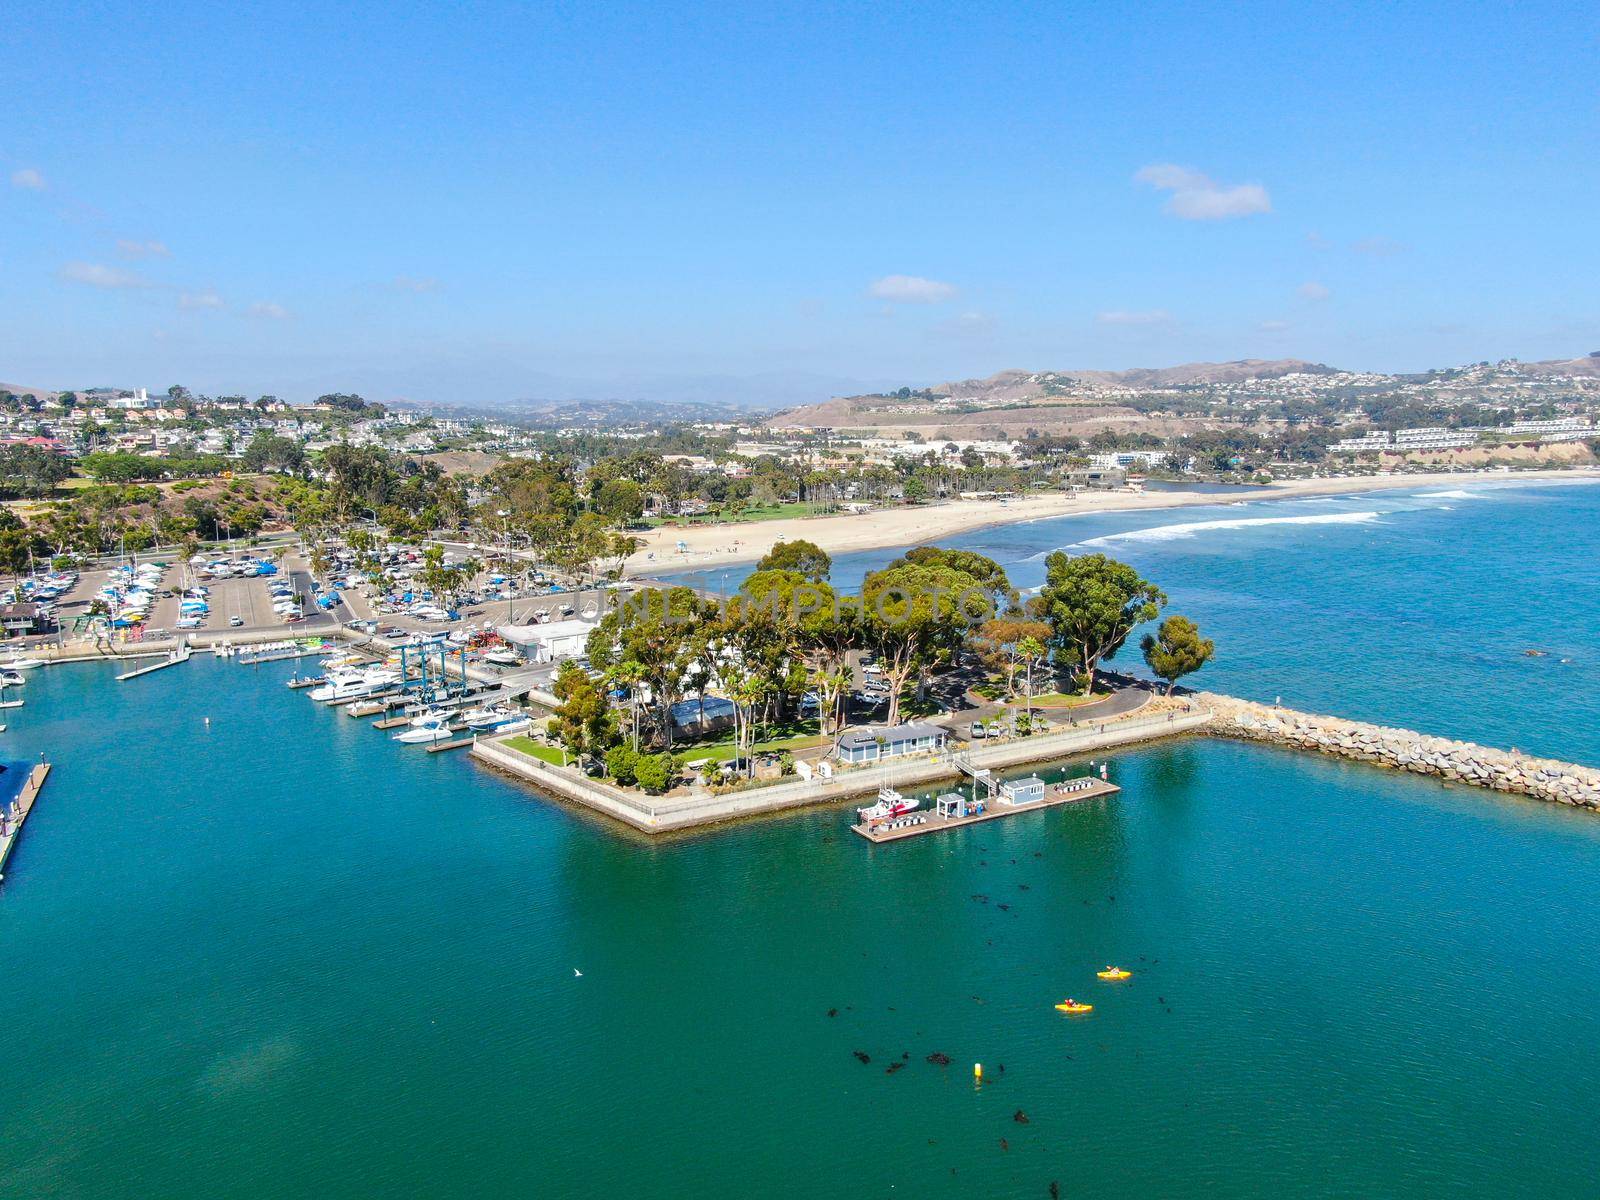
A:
(549, 642)
(138, 400)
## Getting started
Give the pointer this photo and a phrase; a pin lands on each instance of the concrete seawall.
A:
(662, 814)
(1404, 750)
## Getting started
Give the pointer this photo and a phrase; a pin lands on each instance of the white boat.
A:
(12, 679)
(435, 728)
(21, 664)
(890, 804)
(502, 656)
(352, 685)
(496, 718)
(11, 703)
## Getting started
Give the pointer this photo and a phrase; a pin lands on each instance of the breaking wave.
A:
(1169, 533)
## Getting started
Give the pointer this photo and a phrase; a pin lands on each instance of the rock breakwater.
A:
(1405, 750)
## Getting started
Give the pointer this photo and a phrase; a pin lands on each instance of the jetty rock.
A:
(1404, 750)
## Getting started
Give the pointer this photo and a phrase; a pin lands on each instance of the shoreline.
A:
(734, 544)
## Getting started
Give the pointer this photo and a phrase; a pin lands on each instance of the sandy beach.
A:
(704, 545)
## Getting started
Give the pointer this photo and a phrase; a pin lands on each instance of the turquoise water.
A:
(279, 956)
(1414, 608)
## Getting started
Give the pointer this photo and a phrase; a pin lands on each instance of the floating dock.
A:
(458, 744)
(924, 820)
(171, 660)
(276, 652)
(15, 816)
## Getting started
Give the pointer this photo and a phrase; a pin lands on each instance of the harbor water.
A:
(253, 947)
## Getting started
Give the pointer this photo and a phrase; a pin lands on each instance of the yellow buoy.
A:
(977, 1072)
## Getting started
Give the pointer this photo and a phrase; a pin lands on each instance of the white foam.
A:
(1168, 533)
(1455, 494)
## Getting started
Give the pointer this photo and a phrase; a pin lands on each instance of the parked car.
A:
(978, 731)
(235, 621)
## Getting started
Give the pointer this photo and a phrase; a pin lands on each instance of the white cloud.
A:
(199, 300)
(96, 275)
(405, 283)
(28, 178)
(268, 311)
(1198, 197)
(130, 248)
(911, 289)
(1313, 290)
(1378, 247)
(1154, 316)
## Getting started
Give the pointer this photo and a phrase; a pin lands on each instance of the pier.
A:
(173, 658)
(938, 820)
(15, 816)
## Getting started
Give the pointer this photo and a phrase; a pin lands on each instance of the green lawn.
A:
(1064, 700)
(533, 749)
(795, 735)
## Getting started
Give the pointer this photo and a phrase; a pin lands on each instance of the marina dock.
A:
(920, 821)
(14, 817)
(172, 659)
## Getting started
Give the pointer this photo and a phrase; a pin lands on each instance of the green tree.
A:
(990, 575)
(915, 617)
(803, 557)
(622, 763)
(656, 773)
(1176, 649)
(582, 721)
(1093, 603)
(31, 470)
(621, 501)
(662, 631)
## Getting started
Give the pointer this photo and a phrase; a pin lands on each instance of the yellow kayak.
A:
(1114, 973)
(1073, 1006)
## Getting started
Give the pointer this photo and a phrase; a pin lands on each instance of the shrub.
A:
(622, 764)
(656, 773)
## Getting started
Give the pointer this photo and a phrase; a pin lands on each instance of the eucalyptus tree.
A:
(916, 618)
(663, 631)
(1093, 603)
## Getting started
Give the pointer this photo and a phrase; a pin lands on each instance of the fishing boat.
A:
(890, 804)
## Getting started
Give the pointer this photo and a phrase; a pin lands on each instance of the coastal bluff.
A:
(1404, 750)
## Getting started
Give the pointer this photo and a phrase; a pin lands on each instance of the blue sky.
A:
(486, 202)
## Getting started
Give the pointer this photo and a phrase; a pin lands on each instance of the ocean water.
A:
(278, 955)
(1416, 608)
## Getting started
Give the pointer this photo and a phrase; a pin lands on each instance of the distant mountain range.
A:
(1009, 402)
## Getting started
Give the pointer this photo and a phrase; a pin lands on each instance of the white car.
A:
(189, 623)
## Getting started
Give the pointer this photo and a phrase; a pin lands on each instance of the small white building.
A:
(551, 641)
